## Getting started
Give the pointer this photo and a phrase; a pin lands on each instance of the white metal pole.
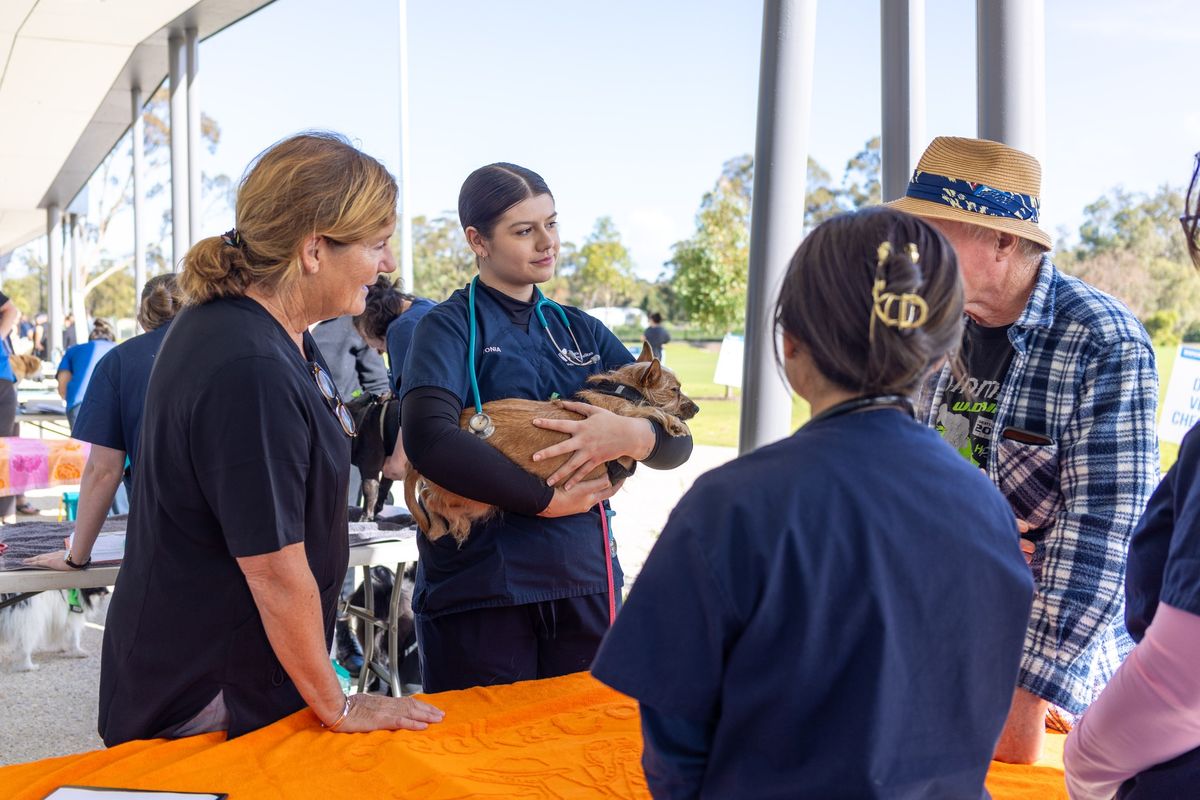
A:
(54, 255)
(1011, 73)
(780, 176)
(902, 29)
(179, 154)
(193, 137)
(405, 217)
(139, 157)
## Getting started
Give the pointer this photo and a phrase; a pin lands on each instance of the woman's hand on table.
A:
(375, 712)
(599, 437)
(55, 560)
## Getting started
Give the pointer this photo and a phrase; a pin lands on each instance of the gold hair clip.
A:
(901, 311)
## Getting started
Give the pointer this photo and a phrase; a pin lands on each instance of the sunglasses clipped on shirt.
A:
(329, 391)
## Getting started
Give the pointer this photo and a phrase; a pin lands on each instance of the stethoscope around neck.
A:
(480, 423)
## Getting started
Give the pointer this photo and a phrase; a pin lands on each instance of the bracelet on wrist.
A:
(74, 565)
(333, 726)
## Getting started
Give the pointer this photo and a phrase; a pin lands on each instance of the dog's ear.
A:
(647, 354)
(652, 374)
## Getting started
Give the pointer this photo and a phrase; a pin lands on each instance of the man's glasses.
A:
(329, 391)
(1191, 215)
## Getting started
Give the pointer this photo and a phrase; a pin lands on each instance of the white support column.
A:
(77, 280)
(139, 235)
(54, 280)
(193, 137)
(179, 151)
(1011, 73)
(902, 28)
(780, 176)
(405, 220)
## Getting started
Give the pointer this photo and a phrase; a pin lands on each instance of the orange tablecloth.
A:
(552, 739)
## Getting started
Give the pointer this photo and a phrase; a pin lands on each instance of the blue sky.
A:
(629, 107)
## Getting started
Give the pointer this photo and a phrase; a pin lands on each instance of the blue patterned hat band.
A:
(971, 197)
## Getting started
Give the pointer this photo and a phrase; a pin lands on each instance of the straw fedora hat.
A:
(978, 182)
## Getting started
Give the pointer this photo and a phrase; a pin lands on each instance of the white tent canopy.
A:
(66, 71)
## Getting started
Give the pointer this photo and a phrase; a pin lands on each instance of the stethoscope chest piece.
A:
(481, 425)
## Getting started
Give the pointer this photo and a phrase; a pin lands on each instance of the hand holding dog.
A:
(375, 712)
(584, 496)
(599, 437)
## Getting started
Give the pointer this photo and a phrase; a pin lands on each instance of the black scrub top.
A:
(240, 455)
(841, 613)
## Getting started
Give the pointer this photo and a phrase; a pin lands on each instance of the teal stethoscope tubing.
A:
(542, 300)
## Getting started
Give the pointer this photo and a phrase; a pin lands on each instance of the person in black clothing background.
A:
(237, 544)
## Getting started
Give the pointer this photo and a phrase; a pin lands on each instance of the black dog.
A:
(377, 417)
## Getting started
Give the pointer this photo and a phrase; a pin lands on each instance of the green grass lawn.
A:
(717, 422)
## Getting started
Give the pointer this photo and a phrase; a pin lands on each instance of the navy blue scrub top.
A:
(111, 414)
(399, 337)
(244, 457)
(839, 614)
(1164, 567)
(510, 559)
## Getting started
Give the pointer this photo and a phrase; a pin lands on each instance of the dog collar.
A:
(614, 389)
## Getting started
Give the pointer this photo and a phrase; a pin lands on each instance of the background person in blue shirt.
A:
(532, 590)
(110, 418)
(387, 324)
(839, 614)
(78, 363)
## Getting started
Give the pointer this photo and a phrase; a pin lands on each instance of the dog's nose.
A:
(690, 409)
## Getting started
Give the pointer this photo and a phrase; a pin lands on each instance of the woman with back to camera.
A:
(815, 620)
(1140, 740)
(532, 590)
(237, 545)
(387, 324)
(110, 418)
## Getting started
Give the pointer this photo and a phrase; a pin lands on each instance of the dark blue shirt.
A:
(399, 336)
(81, 360)
(840, 614)
(111, 413)
(1164, 567)
(510, 559)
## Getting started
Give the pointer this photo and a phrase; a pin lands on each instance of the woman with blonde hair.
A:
(223, 613)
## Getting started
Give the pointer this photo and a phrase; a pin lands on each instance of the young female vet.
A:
(1140, 740)
(387, 324)
(839, 614)
(532, 591)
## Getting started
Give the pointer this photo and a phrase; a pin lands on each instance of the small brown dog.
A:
(25, 366)
(655, 396)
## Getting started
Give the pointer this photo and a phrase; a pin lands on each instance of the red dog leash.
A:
(612, 592)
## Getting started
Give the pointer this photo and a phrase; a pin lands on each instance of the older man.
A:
(1056, 402)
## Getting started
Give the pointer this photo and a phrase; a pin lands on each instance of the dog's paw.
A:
(76, 652)
(24, 666)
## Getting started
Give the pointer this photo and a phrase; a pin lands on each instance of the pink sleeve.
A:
(1149, 712)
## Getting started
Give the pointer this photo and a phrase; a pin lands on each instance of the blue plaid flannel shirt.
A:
(1082, 374)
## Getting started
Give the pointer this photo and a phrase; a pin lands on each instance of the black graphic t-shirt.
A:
(968, 409)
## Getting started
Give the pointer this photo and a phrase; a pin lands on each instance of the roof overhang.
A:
(67, 68)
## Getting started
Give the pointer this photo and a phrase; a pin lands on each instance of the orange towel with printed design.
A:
(558, 738)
